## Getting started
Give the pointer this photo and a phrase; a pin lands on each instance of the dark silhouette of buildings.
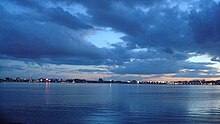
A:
(100, 80)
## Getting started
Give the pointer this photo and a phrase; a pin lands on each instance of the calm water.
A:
(105, 103)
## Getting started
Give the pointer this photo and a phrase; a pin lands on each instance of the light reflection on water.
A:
(109, 103)
(47, 92)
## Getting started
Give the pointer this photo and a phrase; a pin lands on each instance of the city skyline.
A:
(119, 39)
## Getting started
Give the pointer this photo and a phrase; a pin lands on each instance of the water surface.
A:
(109, 103)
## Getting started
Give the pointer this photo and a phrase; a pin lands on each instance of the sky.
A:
(159, 40)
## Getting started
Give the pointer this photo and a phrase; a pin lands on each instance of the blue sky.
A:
(117, 39)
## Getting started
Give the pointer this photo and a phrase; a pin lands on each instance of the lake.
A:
(108, 103)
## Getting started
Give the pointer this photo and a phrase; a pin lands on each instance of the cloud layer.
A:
(159, 35)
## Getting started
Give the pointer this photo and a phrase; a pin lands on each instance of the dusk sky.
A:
(110, 39)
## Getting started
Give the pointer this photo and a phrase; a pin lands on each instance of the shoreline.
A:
(142, 83)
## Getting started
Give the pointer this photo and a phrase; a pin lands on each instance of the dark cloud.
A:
(205, 25)
(23, 37)
(121, 15)
(147, 67)
(159, 35)
(169, 50)
(64, 18)
(157, 25)
(158, 66)
(55, 15)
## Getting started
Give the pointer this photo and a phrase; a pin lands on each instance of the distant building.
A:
(100, 80)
